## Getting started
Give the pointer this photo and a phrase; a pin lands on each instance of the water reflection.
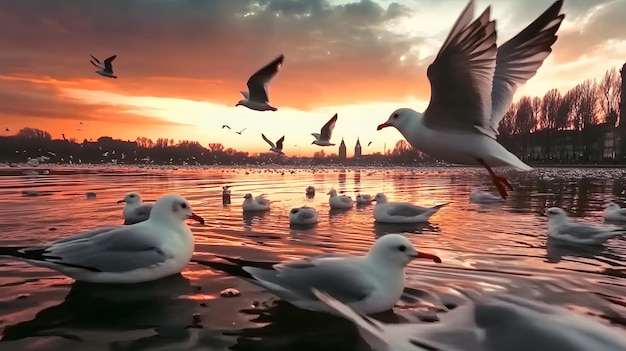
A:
(96, 307)
(253, 216)
(381, 229)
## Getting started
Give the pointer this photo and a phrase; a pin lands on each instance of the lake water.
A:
(489, 247)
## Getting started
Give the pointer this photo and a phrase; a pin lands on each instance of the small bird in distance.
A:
(107, 69)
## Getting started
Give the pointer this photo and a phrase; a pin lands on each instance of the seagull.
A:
(478, 196)
(241, 131)
(256, 98)
(614, 213)
(369, 284)
(135, 210)
(472, 85)
(402, 212)
(561, 228)
(488, 322)
(278, 148)
(150, 250)
(106, 70)
(323, 138)
(6, 129)
(370, 143)
(225, 126)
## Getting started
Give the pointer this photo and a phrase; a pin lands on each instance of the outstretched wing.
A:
(267, 140)
(327, 129)
(108, 64)
(257, 84)
(279, 143)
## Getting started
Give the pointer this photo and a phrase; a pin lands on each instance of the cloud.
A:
(164, 46)
(40, 99)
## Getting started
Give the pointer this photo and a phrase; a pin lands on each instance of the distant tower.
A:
(342, 150)
(357, 149)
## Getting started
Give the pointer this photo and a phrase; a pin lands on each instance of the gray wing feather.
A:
(587, 231)
(407, 210)
(346, 282)
(143, 211)
(85, 235)
(117, 250)
(306, 214)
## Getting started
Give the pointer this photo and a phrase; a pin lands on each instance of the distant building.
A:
(357, 149)
(342, 150)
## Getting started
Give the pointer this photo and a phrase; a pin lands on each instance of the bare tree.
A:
(524, 116)
(507, 125)
(34, 133)
(608, 95)
(535, 103)
(588, 102)
(562, 121)
(550, 109)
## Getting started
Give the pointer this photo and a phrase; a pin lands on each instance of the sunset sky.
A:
(182, 64)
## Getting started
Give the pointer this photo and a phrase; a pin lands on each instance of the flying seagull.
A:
(370, 143)
(6, 129)
(225, 126)
(278, 148)
(241, 131)
(256, 98)
(323, 138)
(472, 86)
(107, 69)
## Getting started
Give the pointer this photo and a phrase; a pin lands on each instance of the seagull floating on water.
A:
(303, 215)
(401, 212)
(339, 202)
(478, 196)
(135, 210)
(323, 137)
(150, 250)
(472, 86)
(278, 148)
(258, 203)
(106, 70)
(257, 98)
(615, 213)
(562, 228)
(369, 284)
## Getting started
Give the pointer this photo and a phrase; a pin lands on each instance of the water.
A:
(496, 247)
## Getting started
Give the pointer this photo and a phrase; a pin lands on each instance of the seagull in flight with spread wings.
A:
(278, 148)
(107, 69)
(323, 137)
(241, 131)
(472, 85)
(256, 98)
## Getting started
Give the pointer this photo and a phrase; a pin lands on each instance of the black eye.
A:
(132, 195)
(402, 248)
(183, 205)
(395, 115)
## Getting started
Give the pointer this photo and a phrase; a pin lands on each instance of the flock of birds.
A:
(473, 82)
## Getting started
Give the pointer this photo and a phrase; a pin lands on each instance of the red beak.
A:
(197, 218)
(384, 125)
(121, 202)
(428, 256)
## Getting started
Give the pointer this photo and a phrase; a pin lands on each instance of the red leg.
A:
(498, 181)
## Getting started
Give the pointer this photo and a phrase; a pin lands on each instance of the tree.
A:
(507, 124)
(34, 133)
(563, 111)
(524, 123)
(216, 147)
(608, 95)
(550, 109)
(588, 102)
(402, 147)
(536, 108)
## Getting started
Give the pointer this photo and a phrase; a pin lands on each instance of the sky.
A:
(182, 64)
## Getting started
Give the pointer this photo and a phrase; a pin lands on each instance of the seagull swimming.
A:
(256, 98)
(278, 148)
(472, 86)
(560, 227)
(323, 137)
(369, 284)
(135, 210)
(150, 250)
(106, 70)
(613, 212)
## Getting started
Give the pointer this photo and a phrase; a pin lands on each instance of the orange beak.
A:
(428, 256)
(197, 218)
(384, 125)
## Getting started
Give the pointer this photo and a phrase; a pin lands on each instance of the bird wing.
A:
(279, 143)
(95, 59)
(298, 277)
(257, 84)
(406, 210)
(519, 59)
(121, 249)
(267, 140)
(462, 74)
(108, 64)
(97, 66)
(327, 129)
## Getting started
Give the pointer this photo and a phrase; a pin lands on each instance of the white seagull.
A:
(401, 212)
(478, 196)
(259, 203)
(256, 98)
(369, 284)
(323, 137)
(560, 227)
(106, 70)
(490, 322)
(135, 210)
(613, 212)
(472, 85)
(278, 148)
(150, 250)
(339, 202)
(303, 215)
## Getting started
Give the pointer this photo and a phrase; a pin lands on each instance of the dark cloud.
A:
(220, 42)
(27, 100)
